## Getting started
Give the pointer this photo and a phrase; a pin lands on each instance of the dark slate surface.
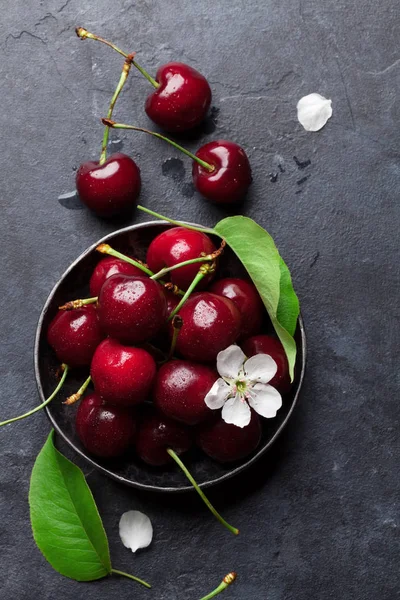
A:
(318, 517)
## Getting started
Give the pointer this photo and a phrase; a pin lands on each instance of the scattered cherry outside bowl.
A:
(129, 469)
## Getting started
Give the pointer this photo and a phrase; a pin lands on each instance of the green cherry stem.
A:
(106, 249)
(84, 34)
(73, 304)
(78, 395)
(206, 501)
(123, 574)
(202, 273)
(227, 580)
(121, 83)
(192, 261)
(65, 368)
(203, 163)
(177, 324)
(178, 223)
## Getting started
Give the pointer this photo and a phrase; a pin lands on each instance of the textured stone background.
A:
(320, 517)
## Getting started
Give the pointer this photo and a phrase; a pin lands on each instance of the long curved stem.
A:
(200, 259)
(84, 34)
(123, 574)
(45, 403)
(121, 83)
(201, 162)
(206, 501)
(227, 580)
(178, 223)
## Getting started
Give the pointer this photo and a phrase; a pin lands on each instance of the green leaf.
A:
(288, 307)
(65, 521)
(257, 251)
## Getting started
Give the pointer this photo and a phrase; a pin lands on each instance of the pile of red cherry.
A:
(147, 394)
(181, 99)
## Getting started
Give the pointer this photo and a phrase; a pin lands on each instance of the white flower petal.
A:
(313, 111)
(135, 530)
(265, 400)
(218, 394)
(260, 368)
(236, 411)
(230, 361)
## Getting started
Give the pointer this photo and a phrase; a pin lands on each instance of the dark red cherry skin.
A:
(211, 323)
(182, 100)
(180, 388)
(157, 433)
(225, 442)
(122, 375)
(109, 189)
(231, 178)
(177, 245)
(265, 344)
(104, 430)
(75, 334)
(131, 309)
(107, 267)
(245, 296)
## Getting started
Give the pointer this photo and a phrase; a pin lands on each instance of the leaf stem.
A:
(45, 403)
(178, 223)
(202, 272)
(121, 83)
(227, 580)
(206, 501)
(203, 163)
(78, 395)
(123, 574)
(84, 34)
(73, 304)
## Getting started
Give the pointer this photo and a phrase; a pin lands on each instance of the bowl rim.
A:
(153, 488)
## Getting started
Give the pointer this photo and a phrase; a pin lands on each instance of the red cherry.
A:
(122, 375)
(180, 388)
(111, 188)
(182, 99)
(229, 181)
(105, 431)
(177, 245)
(265, 344)
(226, 443)
(131, 309)
(211, 323)
(245, 296)
(74, 335)
(156, 434)
(106, 268)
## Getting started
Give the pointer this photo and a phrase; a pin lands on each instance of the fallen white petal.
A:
(236, 411)
(218, 394)
(230, 361)
(313, 111)
(135, 530)
(260, 367)
(265, 400)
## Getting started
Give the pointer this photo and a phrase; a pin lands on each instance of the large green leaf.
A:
(66, 524)
(257, 251)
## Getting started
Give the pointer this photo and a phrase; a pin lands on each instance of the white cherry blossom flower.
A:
(313, 111)
(244, 384)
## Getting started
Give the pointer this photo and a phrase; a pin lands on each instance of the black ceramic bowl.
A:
(130, 470)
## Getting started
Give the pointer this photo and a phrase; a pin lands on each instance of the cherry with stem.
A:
(64, 369)
(221, 170)
(206, 501)
(227, 580)
(78, 395)
(208, 257)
